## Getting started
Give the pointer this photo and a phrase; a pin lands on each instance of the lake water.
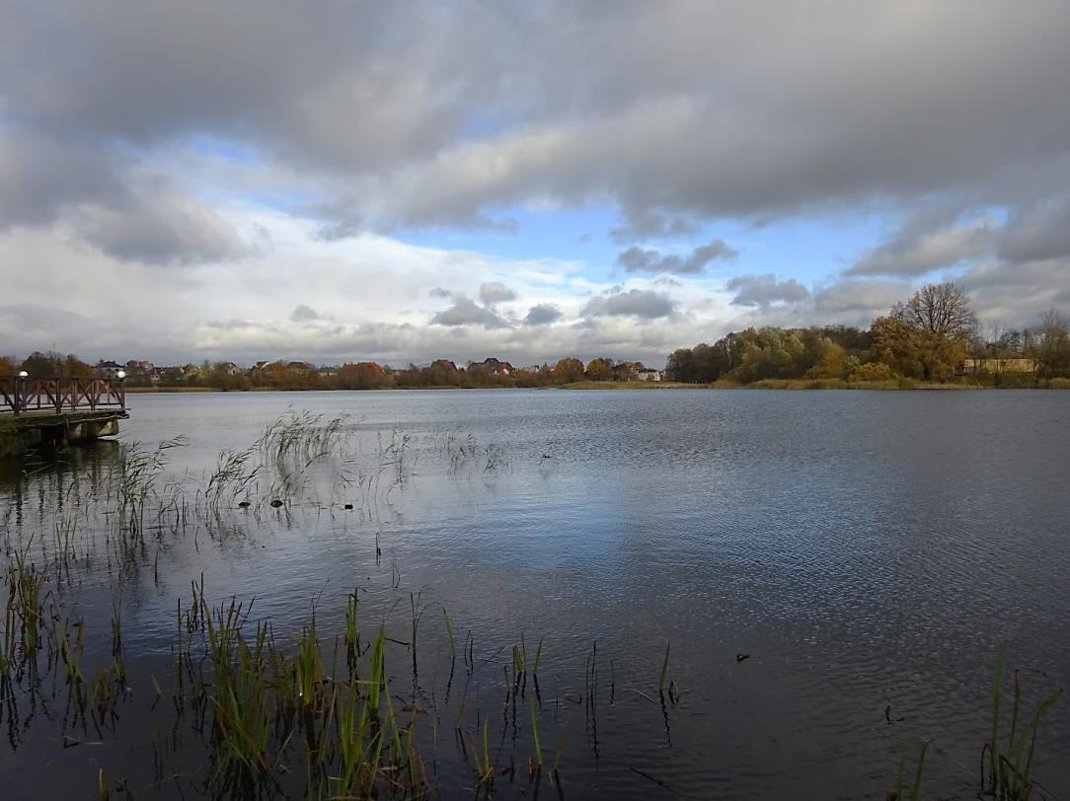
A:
(833, 573)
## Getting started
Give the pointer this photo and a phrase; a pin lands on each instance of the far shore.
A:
(765, 384)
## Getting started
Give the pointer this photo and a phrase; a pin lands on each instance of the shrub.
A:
(872, 371)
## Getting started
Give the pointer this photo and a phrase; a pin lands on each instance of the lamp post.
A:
(121, 375)
(20, 391)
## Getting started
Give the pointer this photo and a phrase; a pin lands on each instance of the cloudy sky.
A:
(403, 181)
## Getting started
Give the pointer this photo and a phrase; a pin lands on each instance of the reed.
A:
(1008, 764)
(352, 635)
(233, 477)
(483, 764)
(139, 470)
(450, 635)
(535, 731)
(915, 788)
(301, 436)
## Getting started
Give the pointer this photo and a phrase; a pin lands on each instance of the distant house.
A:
(167, 375)
(106, 369)
(1015, 365)
(493, 367)
(191, 372)
(648, 374)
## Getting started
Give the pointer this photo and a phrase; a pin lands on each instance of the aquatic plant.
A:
(915, 788)
(138, 472)
(1007, 766)
(301, 436)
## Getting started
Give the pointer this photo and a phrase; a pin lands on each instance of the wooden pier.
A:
(54, 411)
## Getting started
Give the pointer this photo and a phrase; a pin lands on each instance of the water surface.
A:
(834, 572)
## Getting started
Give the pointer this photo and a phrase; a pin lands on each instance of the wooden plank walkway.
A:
(54, 410)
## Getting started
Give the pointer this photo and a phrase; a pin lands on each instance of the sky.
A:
(399, 182)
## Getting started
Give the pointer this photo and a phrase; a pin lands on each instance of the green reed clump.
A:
(301, 436)
(1007, 765)
(241, 702)
(138, 474)
(264, 699)
(233, 476)
(25, 622)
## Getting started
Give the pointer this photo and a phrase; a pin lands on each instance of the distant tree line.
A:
(297, 375)
(933, 336)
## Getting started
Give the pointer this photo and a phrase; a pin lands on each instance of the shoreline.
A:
(795, 384)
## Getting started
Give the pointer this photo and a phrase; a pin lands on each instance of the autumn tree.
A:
(828, 360)
(1053, 344)
(930, 333)
(362, 375)
(443, 373)
(568, 370)
(600, 369)
(49, 364)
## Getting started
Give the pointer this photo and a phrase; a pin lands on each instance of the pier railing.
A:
(53, 395)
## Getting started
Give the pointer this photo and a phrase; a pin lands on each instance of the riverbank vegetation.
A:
(931, 339)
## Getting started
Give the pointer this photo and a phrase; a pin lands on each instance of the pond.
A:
(654, 593)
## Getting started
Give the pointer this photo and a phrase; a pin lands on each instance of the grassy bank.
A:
(153, 390)
(628, 385)
(767, 383)
(839, 383)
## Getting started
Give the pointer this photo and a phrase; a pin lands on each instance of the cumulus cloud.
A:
(339, 228)
(465, 311)
(1037, 233)
(126, 212)
(859, 300)
(128, 151)
(636, 259)
(641, 303)
(405, 130)
(163, 229)
(304, 314)
(40, 177)
(1016, 295)
(495, 292)
(644, 223)
(764, 290)
(543, 314)
(928, 242)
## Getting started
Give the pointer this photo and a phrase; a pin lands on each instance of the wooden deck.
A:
(55, 410)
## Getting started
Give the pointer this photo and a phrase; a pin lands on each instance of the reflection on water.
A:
(832, 574)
